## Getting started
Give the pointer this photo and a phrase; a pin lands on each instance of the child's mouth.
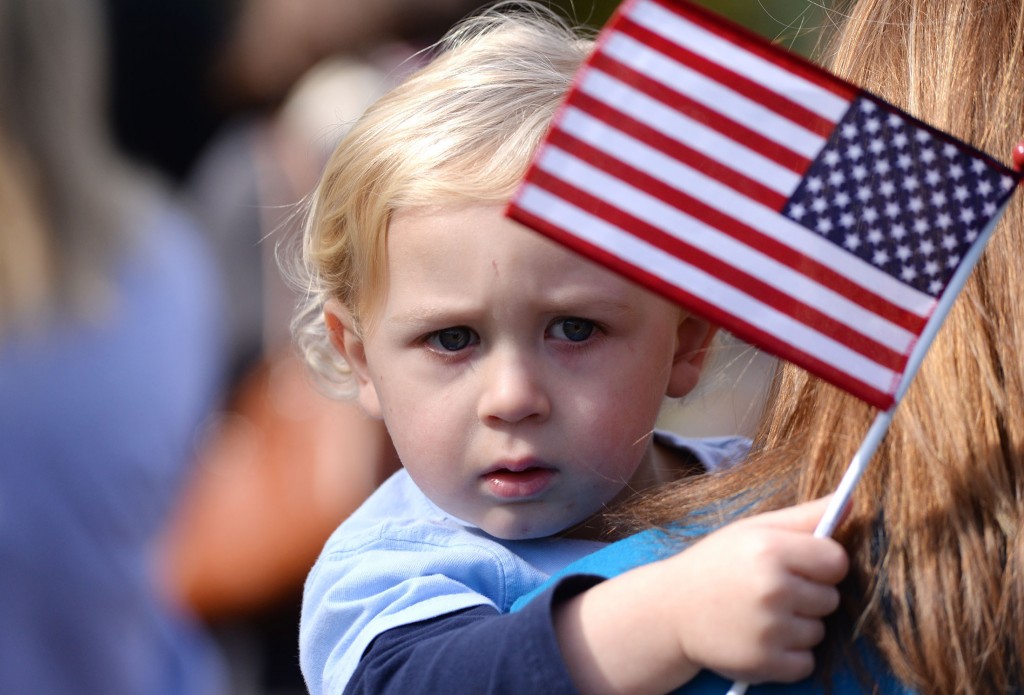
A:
(509, 484)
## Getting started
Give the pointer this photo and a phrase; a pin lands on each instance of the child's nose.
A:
(512, 390)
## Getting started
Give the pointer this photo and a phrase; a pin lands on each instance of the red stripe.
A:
(730, 322)
(717, 267)
(672, 99)
(743, 233)
(755, 44)
(709, 166)
(751, 89)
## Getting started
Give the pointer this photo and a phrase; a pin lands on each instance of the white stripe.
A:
(730, 202)
(715, 48)
(710, 240)
(681, 128)
(695, 281)
(712, 94)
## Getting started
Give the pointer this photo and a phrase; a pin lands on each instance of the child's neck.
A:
(661, 465)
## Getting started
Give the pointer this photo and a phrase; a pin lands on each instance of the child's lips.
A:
(521, 483)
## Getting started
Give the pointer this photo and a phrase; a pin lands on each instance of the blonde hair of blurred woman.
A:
(64, 193)
(935, 529)
(493, 98)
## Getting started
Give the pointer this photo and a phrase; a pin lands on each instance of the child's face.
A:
(520, 382)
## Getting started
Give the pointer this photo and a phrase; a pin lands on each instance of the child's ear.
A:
(693, 337)
(345, 339)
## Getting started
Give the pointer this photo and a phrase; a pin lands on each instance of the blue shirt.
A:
(401, 560)
(99, 419)
(649, 546)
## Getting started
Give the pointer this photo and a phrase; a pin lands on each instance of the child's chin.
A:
(528, 529)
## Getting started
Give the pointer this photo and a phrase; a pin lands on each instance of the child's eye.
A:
(573, 329)
(452, 339)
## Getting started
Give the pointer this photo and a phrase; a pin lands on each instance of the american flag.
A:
(792, 208)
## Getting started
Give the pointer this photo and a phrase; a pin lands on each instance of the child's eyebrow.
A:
(565, 305)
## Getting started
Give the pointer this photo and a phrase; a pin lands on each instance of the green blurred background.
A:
(794, 24)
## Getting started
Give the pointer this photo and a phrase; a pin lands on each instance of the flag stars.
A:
(898, 196)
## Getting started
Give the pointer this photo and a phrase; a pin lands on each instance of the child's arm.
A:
(746, 602)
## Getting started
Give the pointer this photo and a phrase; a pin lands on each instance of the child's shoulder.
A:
(711, 453)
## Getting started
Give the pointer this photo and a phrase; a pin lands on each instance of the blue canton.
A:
(898, 195)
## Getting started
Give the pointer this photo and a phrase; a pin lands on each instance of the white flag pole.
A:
(876, 433)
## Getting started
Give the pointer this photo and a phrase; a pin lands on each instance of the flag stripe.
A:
(718, 68)
(785, 73)
(905, 305)
(800, 288)
(714, 95)
(686, 120)
(711, 166)
(626, 253)
(847, 330)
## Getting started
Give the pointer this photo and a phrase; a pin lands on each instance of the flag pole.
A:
(876, 433)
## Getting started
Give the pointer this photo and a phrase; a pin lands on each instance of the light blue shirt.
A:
(400, 559)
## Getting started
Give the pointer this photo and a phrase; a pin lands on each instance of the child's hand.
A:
(753, 594)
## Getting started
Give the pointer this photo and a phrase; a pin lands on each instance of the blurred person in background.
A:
(109, 364)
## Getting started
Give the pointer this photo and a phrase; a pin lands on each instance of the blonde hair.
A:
(462, 129)
(934, 533)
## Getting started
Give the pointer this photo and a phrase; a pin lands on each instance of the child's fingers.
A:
(789, 667)
(821, 560)
(814, 599)
(799, 517)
